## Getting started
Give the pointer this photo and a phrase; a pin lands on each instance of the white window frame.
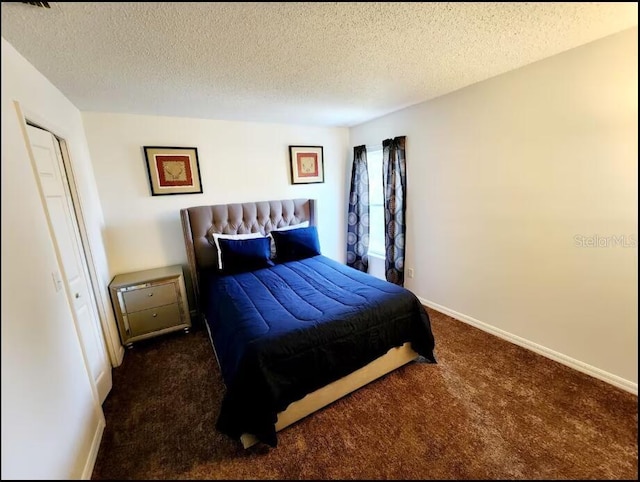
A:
(377, 150)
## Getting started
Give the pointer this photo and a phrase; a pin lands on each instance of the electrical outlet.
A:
(410, 272)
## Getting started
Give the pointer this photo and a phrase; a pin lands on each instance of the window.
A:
(376, 202)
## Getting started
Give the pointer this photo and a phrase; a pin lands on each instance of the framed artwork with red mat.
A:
(307, 164)
(173, 170)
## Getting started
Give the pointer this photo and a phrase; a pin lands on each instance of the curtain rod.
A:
(372, 147)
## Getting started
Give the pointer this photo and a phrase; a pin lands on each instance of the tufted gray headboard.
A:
(238, 218)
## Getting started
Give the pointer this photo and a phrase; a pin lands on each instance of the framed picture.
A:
(173, 170)
(307, 164)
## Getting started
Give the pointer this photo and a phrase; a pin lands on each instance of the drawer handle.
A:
(155, 314)
(150, 294)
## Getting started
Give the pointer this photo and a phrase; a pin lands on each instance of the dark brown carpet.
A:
(488, 410)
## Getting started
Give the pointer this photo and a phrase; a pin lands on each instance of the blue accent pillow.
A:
(296, 244)
(241, 255)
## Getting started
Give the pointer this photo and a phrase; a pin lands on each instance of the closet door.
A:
(75, 280)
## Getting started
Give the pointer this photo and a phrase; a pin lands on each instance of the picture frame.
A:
(173, 170)
(307, 164)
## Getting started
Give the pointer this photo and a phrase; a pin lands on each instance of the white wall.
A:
(239, 162)
(502, 175)
(52, 420)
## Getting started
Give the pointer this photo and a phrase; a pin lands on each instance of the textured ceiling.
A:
(317, 63)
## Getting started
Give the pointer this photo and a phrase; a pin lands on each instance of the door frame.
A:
(115, 350)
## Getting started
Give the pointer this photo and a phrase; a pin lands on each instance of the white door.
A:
(59, 207)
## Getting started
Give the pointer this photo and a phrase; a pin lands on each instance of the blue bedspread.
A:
(285, 331)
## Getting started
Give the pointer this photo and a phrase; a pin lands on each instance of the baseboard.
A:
(544, 351)
(93, 453)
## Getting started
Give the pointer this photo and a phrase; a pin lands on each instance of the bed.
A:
(293, 336)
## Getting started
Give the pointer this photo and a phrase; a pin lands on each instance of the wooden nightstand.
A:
(150, 303)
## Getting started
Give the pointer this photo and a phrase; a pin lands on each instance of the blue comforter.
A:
(282, 332)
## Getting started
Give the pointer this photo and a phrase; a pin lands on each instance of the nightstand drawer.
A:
(154, 319)
(146, 298)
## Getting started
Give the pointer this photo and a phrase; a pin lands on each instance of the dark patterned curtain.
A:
(395, 189)
(358, 219)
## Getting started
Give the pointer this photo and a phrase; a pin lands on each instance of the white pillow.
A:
(303, 224)
(216, 236)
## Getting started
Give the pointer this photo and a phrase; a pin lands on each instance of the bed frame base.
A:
(314, 401)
